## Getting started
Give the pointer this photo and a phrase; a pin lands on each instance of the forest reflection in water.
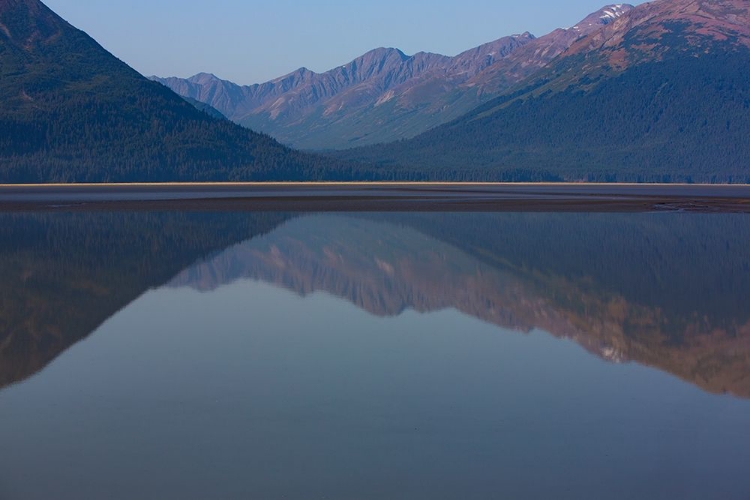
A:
(665, 291)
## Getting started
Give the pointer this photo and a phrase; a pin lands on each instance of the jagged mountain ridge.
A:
(653, 32)
(384, 94)
(720, 20)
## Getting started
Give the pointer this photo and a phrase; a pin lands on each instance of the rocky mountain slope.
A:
(384, 95)
(662, 93)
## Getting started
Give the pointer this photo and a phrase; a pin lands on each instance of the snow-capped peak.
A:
(612, 12)
(602, 17)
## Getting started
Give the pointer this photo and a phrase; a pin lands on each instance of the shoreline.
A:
(377, 196)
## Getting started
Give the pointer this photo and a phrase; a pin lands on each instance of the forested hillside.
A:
(72, 112)
(642, 126)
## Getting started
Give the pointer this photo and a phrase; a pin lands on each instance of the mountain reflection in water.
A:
(664, 290)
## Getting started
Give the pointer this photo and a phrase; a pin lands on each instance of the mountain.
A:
(70, 111)
(384, 95)
(662, 93)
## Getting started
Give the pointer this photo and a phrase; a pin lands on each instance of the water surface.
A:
(236, 355)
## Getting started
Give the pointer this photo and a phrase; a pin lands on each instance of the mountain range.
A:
(653, 93)
(384, 95)
(658, 92)
(661, 94)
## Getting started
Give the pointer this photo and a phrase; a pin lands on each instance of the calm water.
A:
(374, 356)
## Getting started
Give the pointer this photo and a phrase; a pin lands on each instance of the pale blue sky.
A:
(251, 41)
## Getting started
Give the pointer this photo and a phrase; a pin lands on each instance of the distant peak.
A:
(612, 12)
(203, 77)
(602, 17)
(298, 75)
(303, 71)
(382, 52)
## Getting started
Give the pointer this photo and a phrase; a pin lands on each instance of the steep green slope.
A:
(73, 112)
